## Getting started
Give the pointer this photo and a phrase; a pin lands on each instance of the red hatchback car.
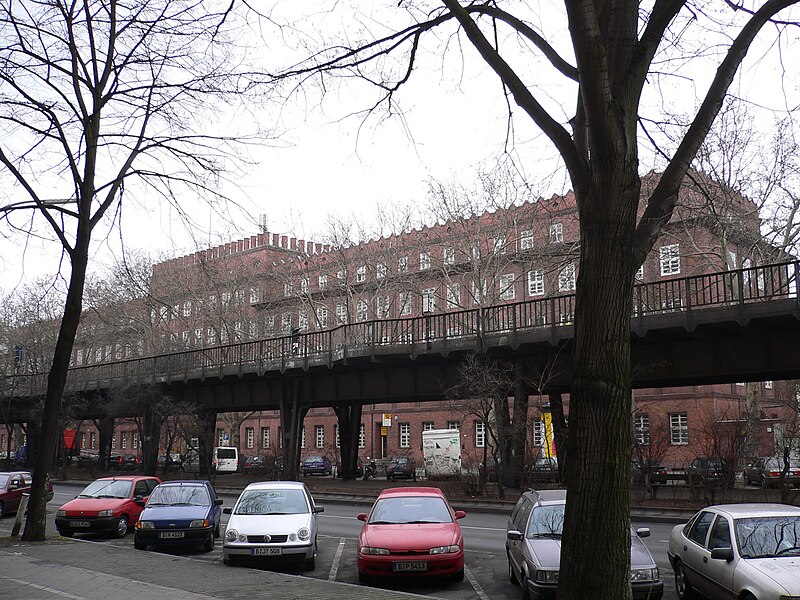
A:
(109, 504)
(411, 531)
(15, 483)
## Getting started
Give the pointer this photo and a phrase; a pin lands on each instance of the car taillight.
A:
(774, 473)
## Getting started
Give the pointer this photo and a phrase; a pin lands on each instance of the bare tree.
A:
(619, 51)
(97, 96)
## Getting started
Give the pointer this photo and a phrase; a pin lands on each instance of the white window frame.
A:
(250, 437)
(362, 436)
(669, 258)
(305, 285)
(288, 288)
(428, 300)
(362, 311)
(319, 436)
(424, 261)
(404, 299)
(526, 239)
(428, 425)
(449, 255)
(254, 295)
(480, 434)
(536, 282)
(507, 286)
(322, 282)
(539, 437)
(453, 295)
(322, 316)
(500, 245)
(341, 314)
(454, 425)
(679, 429)
(556, 233)
(187, 308)
(265, 438)
(404, 429)
(361, 274)
(402, 264)
(641, 429)
(381, 270)
(566, 278)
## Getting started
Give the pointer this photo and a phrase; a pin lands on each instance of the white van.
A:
(226, 459)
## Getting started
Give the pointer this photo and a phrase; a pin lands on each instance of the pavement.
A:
(83, 570)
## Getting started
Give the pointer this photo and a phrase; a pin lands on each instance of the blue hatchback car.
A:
(180, 513)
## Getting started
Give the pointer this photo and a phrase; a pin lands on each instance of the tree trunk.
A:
(559, 431)
(349, 417)
(519, 430)
(597, 517)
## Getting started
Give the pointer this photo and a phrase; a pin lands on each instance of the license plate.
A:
(170, 534)
(417, 565)
(79, 524)
(266, 551)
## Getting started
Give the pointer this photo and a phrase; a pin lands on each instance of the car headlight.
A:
(145, 525)
(303, 534)
(198, 523)
(105, 513)
(231, 535)
(644, 574)
(547, 576)
(445, 549)
(61, 513)
(370, 550)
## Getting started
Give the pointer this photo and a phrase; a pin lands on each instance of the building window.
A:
(362, 436)
(226, 299)
(499, 245)
(507, 291)
(402, 264)
(280, 437)
(454, 425)
(449, 255)
(424, 261)
(382, 307)
(92, 440)
(304, 285)
(480, 291)
(302, 320)
(480, 434)
(566, 278)
(319, 436)
(220, 437)
(640, 273)
(322, 281)
(303, 437)
(405, 435)
(135, 443)
(239, 297)
(641, 429)
(670, 259)
(265, 441)
(361, 274)
(124, 437)
(427, 426)
(526, 240)
(187, 308)
(679, 429)
(338, 439)
(453, 295)
(536, 283)
(341, 275)
(252, 330)
(250, 437)
(113, 441)
(405, 304)
(539, 438)
(341, 313)
(428, 300)
(380, 270)
(253, 295)
(556, 233)
(83, 440)
(362, 309)
(288, 288)
(767, 386)
(322, 316)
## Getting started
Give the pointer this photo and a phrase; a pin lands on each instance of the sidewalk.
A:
(84, 570)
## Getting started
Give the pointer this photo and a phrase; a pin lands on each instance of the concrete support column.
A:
(519, 430)
(151, 436)
(105, 427)
(349, 416)
(293, 412)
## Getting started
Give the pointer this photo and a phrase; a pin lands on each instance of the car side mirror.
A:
(361, 516)
(643, 532)
(318, 509)
(139, 500)
(218, 502)
(725, 554)
(460, 514)
(227, 510)
(514, 535)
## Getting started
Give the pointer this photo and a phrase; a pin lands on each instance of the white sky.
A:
(322, 165)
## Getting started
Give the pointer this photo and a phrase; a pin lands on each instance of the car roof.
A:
(15, 472)
(185, 482)
(276, 485)
(547, 496)
(766, 509)
(126, 477)
(411, 491)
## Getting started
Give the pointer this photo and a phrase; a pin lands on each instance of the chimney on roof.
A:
(275, 238)
(284, 242)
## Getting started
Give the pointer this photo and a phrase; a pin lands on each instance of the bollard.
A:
(23, 507)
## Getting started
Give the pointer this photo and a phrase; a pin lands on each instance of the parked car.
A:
(766, 472)
(87, 460)
(641, 469)
(254, 464)
(108, 505)
(544, 469)
(190, 460)
(411, 531)
(359, 468)
(401, 467)
(180, 513)
(738, 551)
(272, 520)
(706, 470)
(317, 465)
(15, 483)
(533, 548)
(171, 462)
(120, 462)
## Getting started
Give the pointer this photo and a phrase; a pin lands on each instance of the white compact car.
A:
(272, 520)
(747, 551)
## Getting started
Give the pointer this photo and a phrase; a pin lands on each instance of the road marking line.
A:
(43, 588)
(475, 585)
(336, 559)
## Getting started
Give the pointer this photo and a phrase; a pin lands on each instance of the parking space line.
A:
(42, 588)
(337, 557)
(475, 585)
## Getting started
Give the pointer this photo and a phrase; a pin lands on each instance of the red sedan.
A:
(15, 483)
(411, 531)
(109, 504)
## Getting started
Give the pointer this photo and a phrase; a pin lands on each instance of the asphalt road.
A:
(484, 538)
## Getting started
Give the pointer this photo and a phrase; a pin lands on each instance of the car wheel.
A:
(122, 526)
(512, 577)
(229, 562)
(216, 531)
(459, 576)
(746, 478)
(364, 578)
(764, 483)
(139, 545)
(208, 546)
(682, 586)
(310, 564)
(524, 585)
(2, 510)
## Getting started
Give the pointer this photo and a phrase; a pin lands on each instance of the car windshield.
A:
(314, 459)
(107, 488)
(226, 453)
(764, 537)
(271, 502)
(546, 521)
(410, 509)
(179, 495)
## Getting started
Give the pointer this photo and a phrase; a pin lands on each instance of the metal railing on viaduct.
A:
(735, 325)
